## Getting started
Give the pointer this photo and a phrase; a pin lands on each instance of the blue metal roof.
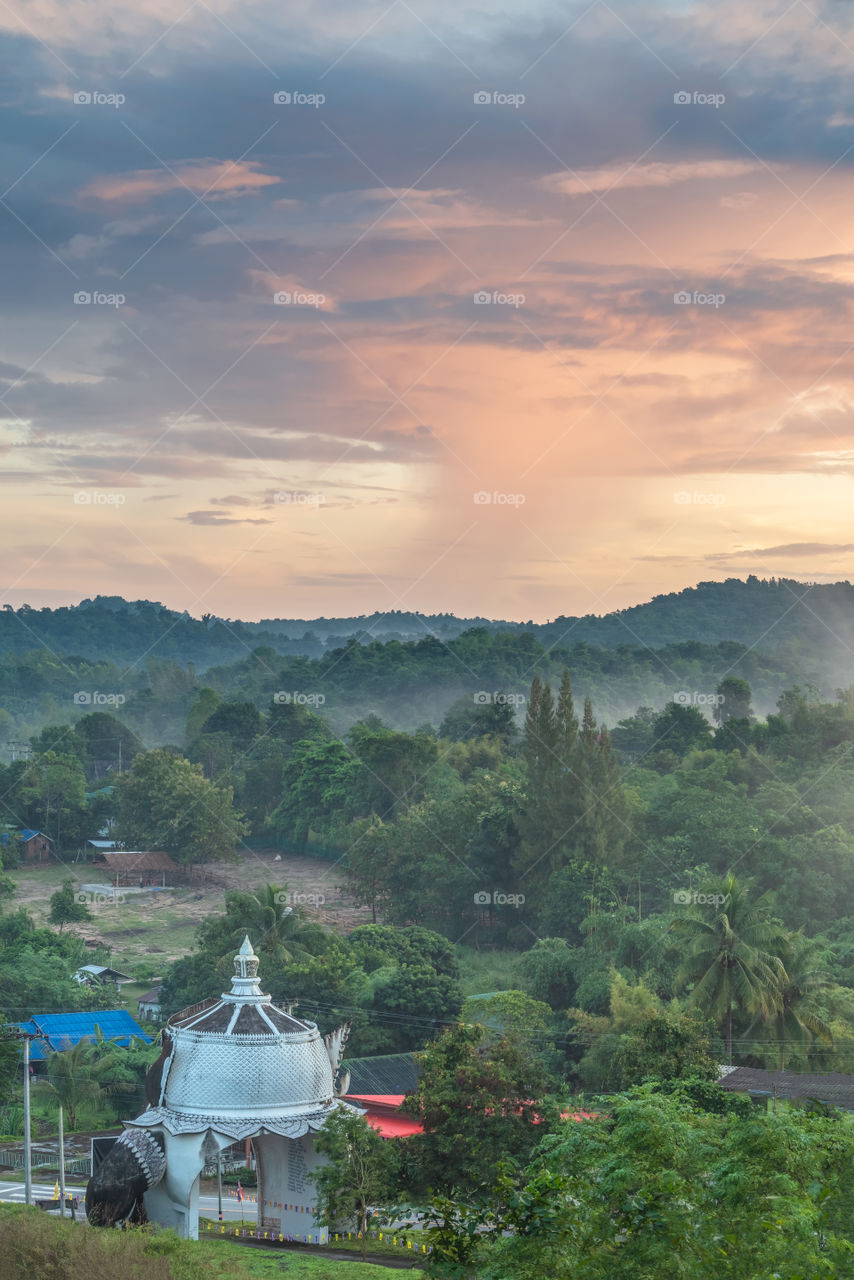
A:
(64, 1030)
(27, 833)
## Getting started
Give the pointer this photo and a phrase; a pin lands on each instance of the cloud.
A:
(215, 518)
(652, 174)
(207, 178)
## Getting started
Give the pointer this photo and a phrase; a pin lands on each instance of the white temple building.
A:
(235, 1068)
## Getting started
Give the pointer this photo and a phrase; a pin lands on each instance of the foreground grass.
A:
(34, 1246)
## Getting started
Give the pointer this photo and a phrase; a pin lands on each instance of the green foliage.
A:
(479, 1099)
(165, 802)
(66, 907)
(731, 950)
(661, 1187)
(357, 1176)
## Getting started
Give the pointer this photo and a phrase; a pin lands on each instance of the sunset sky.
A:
(185, 437)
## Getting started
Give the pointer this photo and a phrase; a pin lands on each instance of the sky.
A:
(506, 310)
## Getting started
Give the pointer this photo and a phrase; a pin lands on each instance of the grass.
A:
(298, 1266)
(375, 1248)
(34, 1245)
(154, 928)
(483, 971)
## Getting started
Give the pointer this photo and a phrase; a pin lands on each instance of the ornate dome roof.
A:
(242, 1063)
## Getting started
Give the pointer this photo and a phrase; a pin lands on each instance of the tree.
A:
(734, 697)
(796, 1019)
(54, 787)
(357, 1174)
(660, 1186)
(395, 764)
(668, 1045)
(731, 956)
(679, 729)
(479, 1099)
(67, 907)
(466, 719)
(515, 1014)
(548, 973)
(165, 802)
(240, 720)
(7, 889)
(74, 1076)
(323, 788)
(279, 931)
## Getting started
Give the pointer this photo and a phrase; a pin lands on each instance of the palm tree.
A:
(73, 1075)
(795, 1018)
(732, 955)
(274, 925)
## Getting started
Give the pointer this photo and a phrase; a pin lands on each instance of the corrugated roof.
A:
(834, 1088)
(103, 971)
(388, 1074)
(64, 1030)
(141, 860)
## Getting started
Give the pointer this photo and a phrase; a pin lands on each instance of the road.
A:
(13, 1193)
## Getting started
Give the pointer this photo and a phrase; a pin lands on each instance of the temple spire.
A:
(244, 984)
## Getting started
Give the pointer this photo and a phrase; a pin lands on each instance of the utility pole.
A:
(61, 1165)
(219, 1182)
(14, 1032)
(28, 1153)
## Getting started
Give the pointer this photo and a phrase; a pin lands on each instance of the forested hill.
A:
(791, 619)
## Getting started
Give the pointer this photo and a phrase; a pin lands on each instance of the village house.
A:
(33, 846)
(148, 1005)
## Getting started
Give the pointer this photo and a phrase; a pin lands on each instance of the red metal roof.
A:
(381, 1114)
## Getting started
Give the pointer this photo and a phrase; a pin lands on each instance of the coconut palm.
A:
(732, 956)
(796, 1020)
(276, 927)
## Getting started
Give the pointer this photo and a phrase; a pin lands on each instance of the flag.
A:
(56, 1191)
(239, 1191)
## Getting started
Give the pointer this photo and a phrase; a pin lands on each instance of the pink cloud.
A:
(211, 177)
(656, 174)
